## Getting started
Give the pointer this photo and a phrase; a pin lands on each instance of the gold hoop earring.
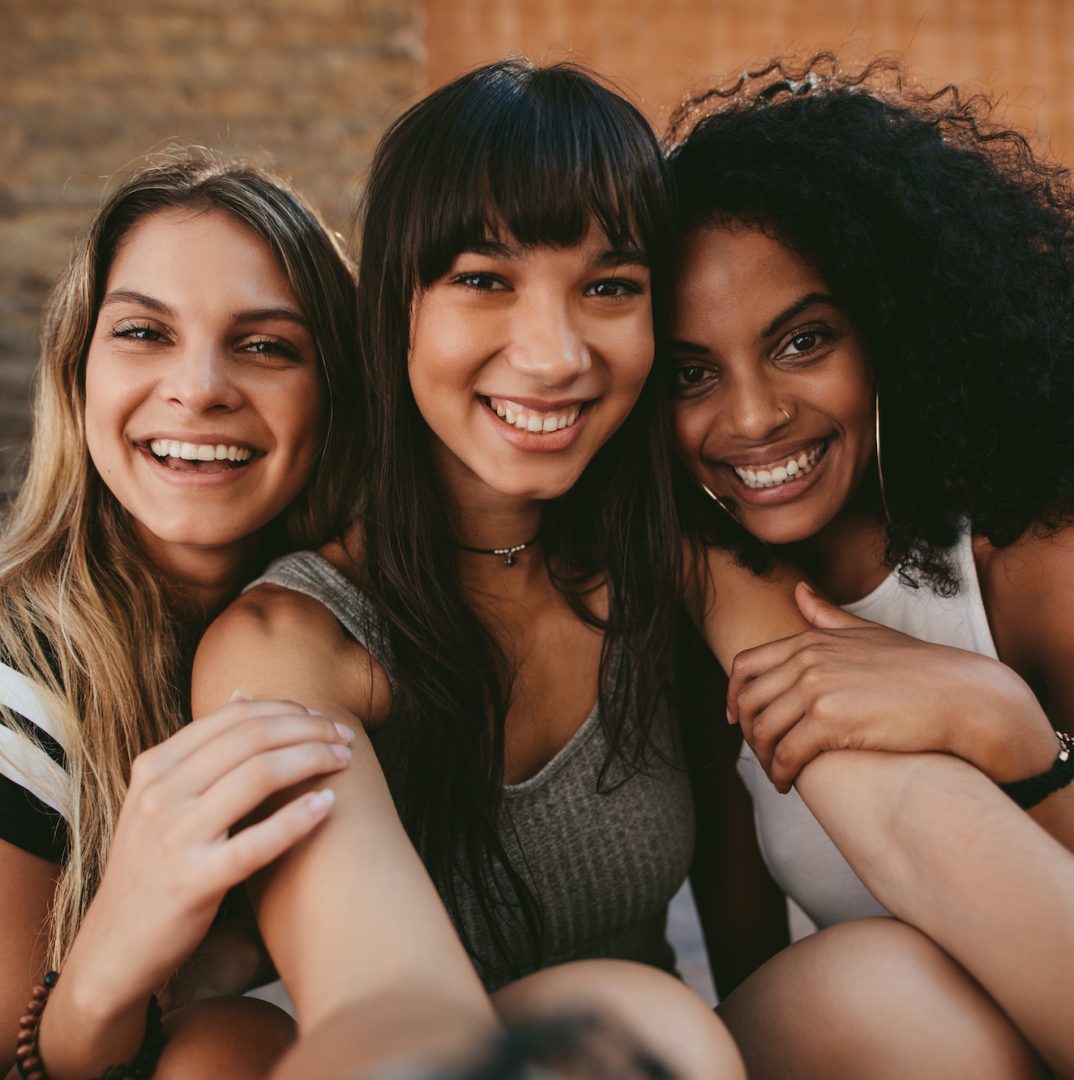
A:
(879, 466)
(725, 506)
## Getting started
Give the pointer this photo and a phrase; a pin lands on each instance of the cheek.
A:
(689, 427)
(103, 413)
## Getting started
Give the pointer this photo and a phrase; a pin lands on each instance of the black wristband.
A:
(1034, 789)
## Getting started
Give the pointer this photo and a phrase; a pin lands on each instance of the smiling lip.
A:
(538, 426)
(197, 459)
(772, 479)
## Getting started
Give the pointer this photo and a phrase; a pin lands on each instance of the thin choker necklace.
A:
(508, 554)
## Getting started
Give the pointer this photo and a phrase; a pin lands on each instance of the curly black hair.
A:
(949, 244)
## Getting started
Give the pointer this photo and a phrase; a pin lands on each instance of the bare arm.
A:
(28, 885)
(943, 849)
(1029, 591)
(350, 916)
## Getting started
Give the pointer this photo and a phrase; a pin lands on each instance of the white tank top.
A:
(796, 850)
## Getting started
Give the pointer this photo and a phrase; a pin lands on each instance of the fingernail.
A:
(238, 695)
(346, 733)
(314, 712)
(318, 802)
(341, 751)
(730, 718)
(809, 588)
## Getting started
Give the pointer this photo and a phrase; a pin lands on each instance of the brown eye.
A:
(806, 341)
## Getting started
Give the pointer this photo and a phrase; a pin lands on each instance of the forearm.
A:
(86, 1027)
(1009, 737)
(351, 915)
(947, 852)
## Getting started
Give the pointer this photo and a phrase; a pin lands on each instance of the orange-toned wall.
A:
(1020, 49)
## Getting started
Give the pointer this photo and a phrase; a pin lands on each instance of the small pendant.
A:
(509, 558)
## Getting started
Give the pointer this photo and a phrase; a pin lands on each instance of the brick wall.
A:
(88, 86)
(1020, 49)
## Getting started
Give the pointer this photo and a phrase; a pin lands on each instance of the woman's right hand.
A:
(173, 856)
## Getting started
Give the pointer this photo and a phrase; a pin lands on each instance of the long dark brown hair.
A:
(539, 154)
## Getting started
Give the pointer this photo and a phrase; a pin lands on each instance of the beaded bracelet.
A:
(28, 1058)
(1027, 793)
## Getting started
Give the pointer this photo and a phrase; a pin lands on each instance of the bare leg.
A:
(666, 1017)
(237, 1037)
(874, 998)
(943, 849)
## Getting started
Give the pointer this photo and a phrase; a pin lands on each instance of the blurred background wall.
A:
(87, 87)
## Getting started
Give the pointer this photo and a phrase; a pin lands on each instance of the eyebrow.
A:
(803, 303)
(612, 257)
(131, 296)
(796, 308)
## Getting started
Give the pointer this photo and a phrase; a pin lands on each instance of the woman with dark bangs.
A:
(872, 349)
(498, 627)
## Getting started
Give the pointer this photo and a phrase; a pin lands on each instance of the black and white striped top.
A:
(34, 784)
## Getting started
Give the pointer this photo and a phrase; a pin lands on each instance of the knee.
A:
(872, 996)
(662, 1013)
(238, 1037)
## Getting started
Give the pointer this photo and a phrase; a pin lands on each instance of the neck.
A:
(483, 521)
(846, 558)
(201, 580)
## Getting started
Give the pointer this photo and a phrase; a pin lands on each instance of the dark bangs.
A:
(511, 151)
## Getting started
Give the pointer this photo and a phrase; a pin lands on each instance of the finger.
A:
(822, 613)
(286, 725)
(193, 736)
(800, 744)
(241, 791)
(758, 695)
(257, 846)
(774, 724)
(750, 663)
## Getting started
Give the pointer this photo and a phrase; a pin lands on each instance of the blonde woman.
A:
(193, 356)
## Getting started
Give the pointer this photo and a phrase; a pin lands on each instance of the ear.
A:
(821, 613)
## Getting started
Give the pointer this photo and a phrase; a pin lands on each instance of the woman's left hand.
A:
(851, 684)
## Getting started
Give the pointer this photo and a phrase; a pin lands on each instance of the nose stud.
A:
(784, 411)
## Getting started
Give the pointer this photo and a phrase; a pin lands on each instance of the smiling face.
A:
(774, 396)
(204, 397)
(525, 361)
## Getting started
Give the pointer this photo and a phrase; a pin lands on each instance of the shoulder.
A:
(1028, 589)
(34, 784)
(276, 642)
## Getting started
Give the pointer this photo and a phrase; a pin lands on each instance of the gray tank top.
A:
(603, 860)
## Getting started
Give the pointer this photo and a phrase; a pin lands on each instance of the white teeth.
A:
(172, 448)
(532, 420)
(779, 474)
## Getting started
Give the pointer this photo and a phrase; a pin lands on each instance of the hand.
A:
(851, 684)
(172, 859)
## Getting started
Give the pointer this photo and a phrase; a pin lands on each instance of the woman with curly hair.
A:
(195, 357)
(872, 348)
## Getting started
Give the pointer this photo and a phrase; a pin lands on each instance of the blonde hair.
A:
(83, 612)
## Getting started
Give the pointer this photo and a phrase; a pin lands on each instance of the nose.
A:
(753, 408)
(200, 378)
(548, 342)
